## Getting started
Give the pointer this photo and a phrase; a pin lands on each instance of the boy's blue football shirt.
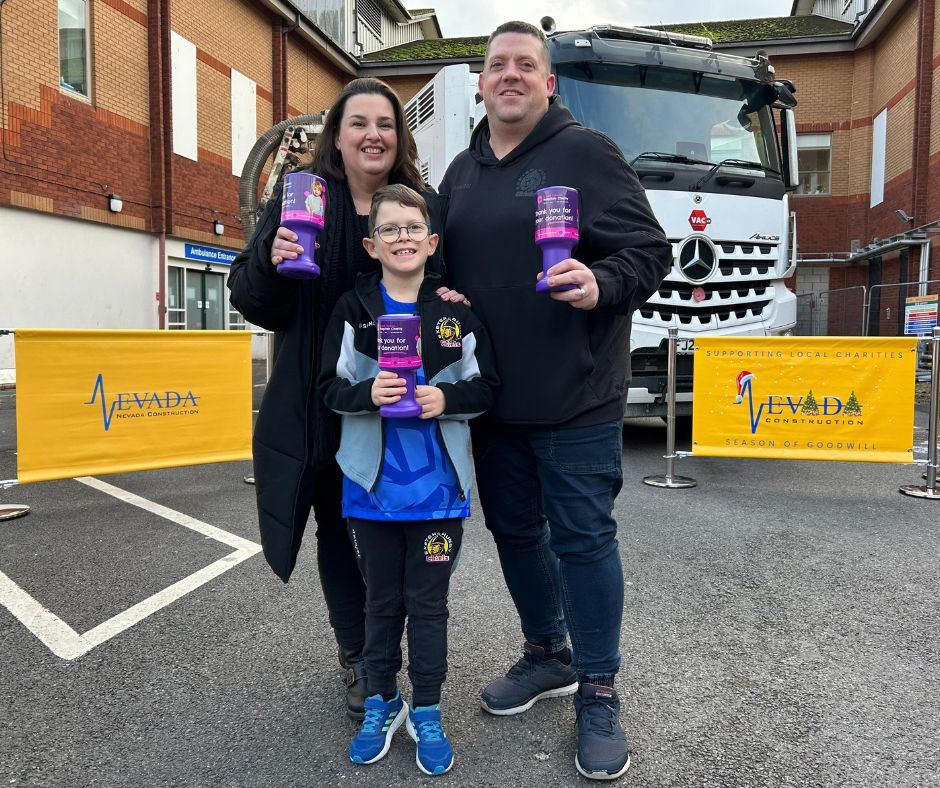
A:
(417, 481)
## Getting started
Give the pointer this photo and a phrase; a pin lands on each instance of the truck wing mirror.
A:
(784, 90)
(788, 139)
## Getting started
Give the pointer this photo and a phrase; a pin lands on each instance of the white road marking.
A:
(64, 641)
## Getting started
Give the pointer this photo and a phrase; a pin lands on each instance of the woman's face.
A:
(367, 140)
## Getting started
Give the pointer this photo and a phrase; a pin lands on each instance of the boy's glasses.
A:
(417, 231)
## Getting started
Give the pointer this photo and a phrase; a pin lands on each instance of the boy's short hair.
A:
(403, 195)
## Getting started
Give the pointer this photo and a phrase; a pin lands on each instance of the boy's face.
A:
(406, 255)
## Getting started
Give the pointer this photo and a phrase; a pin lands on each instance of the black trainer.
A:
(602, 744)
(531, 679)
(355, 681)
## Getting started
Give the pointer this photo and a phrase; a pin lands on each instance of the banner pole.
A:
(268, 368)
(669, 480)
(930, 490)
(269, 356)
(10, 511)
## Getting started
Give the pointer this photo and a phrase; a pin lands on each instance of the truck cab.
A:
(699, 129)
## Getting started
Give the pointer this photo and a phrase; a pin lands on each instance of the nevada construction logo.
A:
(827, 410)
(141, 404)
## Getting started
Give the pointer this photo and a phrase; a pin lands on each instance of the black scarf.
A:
(341, 258)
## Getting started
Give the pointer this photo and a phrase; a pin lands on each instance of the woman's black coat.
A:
(289, 432)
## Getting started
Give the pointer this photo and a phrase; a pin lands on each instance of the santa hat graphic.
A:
(742, 378)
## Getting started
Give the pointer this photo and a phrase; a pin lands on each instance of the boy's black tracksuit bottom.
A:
(406, 567)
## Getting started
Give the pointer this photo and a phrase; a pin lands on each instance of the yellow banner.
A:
(804, 398)
(95, 402)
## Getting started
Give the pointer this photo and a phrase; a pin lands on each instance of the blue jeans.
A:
(548, 498)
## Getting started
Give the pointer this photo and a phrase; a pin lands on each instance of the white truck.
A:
(698, 127)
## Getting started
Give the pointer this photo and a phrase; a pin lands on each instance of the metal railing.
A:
(839, 312)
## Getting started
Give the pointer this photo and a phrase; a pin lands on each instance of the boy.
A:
(406, 481)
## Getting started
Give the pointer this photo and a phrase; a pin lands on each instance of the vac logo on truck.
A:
(142, 404)
(699, 220)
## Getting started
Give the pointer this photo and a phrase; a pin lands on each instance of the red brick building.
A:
(125, 124)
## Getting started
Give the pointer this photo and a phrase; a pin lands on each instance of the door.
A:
(205, 303)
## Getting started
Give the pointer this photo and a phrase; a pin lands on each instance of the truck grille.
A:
(738, 294)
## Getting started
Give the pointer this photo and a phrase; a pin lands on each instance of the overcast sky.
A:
(469, 18)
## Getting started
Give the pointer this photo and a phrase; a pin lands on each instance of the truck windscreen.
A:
(644, 109)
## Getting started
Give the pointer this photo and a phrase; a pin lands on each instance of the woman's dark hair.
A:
(328, 161)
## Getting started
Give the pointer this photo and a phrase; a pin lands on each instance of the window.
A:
(814, 155)
(176, 310)
(73, 45)
(328, 15)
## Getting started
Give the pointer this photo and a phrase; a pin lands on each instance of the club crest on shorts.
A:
(449, 331)
(437, 548)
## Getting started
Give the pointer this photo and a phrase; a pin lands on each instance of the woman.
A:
(365, 144)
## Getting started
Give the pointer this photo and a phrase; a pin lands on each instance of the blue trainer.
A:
(382, 719)
(434, 755)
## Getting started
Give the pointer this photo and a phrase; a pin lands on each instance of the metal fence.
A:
(838, 312)
(878, 311)
(884, 308)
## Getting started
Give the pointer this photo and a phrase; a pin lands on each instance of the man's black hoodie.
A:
(559, 366)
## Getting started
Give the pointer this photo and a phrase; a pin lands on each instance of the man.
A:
(548, 456)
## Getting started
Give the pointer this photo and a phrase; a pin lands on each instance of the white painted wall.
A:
(879, 146)
(183, 69)
(244, 119)
(88, 275)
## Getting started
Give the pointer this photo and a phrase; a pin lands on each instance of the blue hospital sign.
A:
(209, 254)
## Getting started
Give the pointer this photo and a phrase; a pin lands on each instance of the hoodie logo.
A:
(530, 182)
(448, 331)
(437, 548)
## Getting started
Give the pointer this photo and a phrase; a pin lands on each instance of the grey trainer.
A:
(531, 679)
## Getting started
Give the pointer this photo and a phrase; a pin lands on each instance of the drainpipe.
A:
(279, 67)
(161, 143)
(923, 91)
(924, 274)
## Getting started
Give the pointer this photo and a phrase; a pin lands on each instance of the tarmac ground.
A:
(780, 629)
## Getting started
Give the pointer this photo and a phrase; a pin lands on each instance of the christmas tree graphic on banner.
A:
(852, 408)
(810, 406)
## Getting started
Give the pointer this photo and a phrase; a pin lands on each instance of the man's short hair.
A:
(403, 195)
(525, 29)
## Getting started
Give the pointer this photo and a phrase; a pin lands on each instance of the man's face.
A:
(515, 82)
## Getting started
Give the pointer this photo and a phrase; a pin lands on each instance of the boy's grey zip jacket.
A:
(456, 356)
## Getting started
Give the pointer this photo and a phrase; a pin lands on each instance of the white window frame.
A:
(86, 5)
(814, 142)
